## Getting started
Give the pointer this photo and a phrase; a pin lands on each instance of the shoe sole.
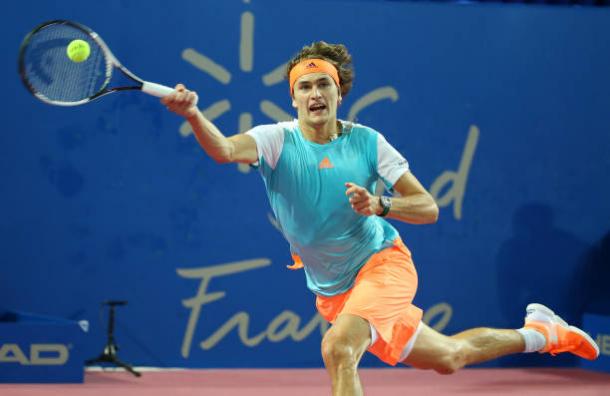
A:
(540, 308)
(549, 312)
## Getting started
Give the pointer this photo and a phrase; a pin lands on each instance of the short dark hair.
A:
(334, 53)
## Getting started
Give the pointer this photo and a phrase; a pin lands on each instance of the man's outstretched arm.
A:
(237, 148)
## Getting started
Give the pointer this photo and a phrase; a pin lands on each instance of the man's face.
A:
(316, 98)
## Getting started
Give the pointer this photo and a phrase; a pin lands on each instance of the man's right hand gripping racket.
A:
(56, 78)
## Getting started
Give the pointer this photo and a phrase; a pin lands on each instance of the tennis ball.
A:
(78, 51)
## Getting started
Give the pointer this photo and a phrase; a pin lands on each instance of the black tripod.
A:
(109, 354)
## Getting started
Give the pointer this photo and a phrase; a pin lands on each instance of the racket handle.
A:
(156, 89)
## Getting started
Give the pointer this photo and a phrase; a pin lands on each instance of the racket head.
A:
(48, 73)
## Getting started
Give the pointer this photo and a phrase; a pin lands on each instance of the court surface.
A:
(301, 382)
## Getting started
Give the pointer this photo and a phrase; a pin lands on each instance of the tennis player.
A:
(320, 173)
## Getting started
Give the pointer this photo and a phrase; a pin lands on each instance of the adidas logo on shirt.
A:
(325, 164)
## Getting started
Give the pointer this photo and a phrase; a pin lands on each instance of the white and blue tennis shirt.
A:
(305, 183)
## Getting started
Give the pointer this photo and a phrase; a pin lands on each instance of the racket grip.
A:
(157, 90)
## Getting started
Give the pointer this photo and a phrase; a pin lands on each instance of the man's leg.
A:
(342, 348)
(447, 354)
(543, 331)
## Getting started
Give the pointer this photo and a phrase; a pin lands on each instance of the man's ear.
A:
(294, 103)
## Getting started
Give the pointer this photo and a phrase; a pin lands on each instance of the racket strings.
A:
(52, 76)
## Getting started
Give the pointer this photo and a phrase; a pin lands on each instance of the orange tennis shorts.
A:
(382, 294)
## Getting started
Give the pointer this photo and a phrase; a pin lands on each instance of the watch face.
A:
(386, 202)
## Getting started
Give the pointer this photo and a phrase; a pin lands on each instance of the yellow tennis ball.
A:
(78, 51)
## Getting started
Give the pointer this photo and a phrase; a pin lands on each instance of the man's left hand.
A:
(363, 202)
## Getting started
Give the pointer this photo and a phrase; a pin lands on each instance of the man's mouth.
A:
(317, 107)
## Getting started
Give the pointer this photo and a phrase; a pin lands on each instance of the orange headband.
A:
(308, 66)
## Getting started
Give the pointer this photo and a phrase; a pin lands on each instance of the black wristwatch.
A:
(386, 204)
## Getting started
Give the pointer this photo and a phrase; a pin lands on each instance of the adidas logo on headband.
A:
(310, 65)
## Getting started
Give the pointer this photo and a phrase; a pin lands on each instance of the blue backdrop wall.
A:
(501, 110)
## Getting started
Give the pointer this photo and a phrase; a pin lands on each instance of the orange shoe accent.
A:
(325, 164)
(298, 263)
(560, 337)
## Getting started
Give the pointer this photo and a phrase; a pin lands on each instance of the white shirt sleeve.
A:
(391, 165)
(269, 142)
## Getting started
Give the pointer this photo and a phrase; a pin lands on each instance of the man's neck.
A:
(323, 133)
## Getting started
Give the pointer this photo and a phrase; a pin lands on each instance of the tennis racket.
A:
(51, 76)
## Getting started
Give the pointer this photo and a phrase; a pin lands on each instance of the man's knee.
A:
(453, 360)
(337, 352)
